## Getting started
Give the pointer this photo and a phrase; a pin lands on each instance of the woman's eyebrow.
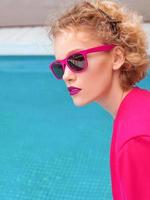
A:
(72, 51)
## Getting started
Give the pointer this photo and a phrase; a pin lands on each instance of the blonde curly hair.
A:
(112, 23)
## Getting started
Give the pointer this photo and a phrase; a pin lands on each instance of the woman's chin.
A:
(80, 103)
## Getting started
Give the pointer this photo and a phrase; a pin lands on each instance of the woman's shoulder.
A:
(142, 92)
(137, 99)
(134, 118)
(135, 105)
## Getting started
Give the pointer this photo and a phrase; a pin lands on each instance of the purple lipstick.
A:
(73, 90)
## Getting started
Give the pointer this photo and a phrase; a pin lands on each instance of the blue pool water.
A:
(50, 149)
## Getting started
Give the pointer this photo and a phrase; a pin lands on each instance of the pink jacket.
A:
(130, 147)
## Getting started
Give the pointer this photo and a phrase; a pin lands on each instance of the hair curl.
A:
(112, 23)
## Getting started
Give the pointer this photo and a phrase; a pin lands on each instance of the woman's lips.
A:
(73, 90)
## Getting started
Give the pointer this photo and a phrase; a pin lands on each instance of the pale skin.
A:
(100, 82)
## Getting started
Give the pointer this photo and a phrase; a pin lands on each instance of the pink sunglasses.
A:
(77, 62)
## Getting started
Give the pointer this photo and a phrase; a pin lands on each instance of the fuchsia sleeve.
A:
(134, 168)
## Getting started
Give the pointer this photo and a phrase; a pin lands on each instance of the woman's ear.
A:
(118, 57)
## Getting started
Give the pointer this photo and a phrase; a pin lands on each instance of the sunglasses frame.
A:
(105, 47)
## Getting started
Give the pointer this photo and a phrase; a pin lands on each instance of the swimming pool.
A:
(44, 154)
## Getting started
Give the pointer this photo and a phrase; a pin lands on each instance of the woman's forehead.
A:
(80, 36)
(70, 41)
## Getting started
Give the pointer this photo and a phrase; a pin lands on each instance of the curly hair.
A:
(112, 23)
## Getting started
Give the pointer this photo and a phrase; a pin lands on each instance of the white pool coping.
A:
(33, 41)
(25, 41)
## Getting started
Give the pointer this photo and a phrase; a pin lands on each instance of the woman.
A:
(101, 53)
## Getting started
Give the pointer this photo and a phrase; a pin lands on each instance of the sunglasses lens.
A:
(76, 62)
(57, 69)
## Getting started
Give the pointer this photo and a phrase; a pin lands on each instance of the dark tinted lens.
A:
(76, 62)
(58, 69)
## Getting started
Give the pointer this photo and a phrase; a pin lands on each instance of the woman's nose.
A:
(68, 74)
